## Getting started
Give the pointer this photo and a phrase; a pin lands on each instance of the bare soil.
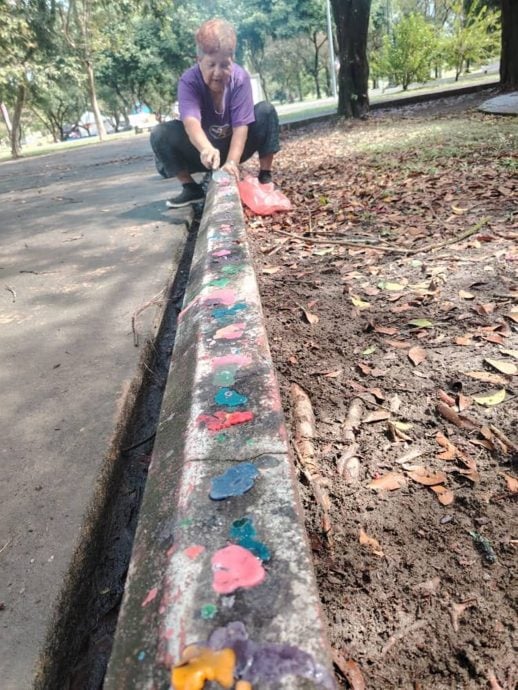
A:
(428, 599)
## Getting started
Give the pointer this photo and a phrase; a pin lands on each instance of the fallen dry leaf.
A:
(508, 368)
(376, 416)
(463, 402)
(310, 318)
(270, 270)
(442, 395)
(386, 330)
(491, 399)
(463, 340)
(388, 482)
(416, 355)
(450, 452)
(457, 419)
(464, 294)
(485, 309)
(512, 482)
(487, 377)
(444, 495)
(371, 543)
(426, 476)
(399, 344)
(358, 302)
(511, 353)
(332, 374)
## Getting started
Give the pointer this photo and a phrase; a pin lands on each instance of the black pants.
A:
(175, 153)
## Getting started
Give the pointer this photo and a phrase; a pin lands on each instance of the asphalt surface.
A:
(85, 242)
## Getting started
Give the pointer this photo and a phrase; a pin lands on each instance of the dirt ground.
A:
(406, 346)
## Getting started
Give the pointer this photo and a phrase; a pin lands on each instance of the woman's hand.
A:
(232, 168)
(210, 157)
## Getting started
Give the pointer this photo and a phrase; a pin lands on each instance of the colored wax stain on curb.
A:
(221, 296)
(225, 377)
(194, 551)
(150, 596)
(225, 312)
(236, 481)
(219, 282)
(208, 611)
(200, 664)
(224, 420)
(230, 398)
(234, 567)
(244, 534)
(231, 332)
(232, 359)
(232, 270)
(224, 307)
(253, 662)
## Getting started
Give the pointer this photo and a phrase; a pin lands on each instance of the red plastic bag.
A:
(262, 199)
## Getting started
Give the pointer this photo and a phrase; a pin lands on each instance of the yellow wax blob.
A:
(200, 664)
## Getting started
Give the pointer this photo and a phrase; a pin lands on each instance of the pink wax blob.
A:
(235, 567)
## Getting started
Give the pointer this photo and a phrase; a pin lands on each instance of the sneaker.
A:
(265, 176)
(191, 193)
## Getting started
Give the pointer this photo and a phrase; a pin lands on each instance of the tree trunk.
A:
(352, 23)
(6, 119)
(509, 57)
(16, 148)
(316, 60)
(93, 100)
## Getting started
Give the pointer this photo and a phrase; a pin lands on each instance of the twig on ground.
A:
(453, 240)
(502, 437)
(12, 291)
(304, 422)
(156, 300)
(350, 670)
(407, 630)
(6, 544)
(353, 419)
(347, 243)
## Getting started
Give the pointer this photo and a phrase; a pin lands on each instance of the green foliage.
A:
(407, 54)
(472, 35)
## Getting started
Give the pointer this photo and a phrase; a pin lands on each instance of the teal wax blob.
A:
(227, 312)
(244, 533)
(229, 398)
(219, 282)
(231, 270)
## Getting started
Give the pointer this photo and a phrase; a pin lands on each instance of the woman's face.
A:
(216, 69)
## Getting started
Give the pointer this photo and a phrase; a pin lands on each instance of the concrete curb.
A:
(230, 572)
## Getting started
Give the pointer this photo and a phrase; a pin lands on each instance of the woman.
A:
(219, 124)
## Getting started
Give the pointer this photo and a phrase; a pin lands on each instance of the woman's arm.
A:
(209, 154)
(237, 146)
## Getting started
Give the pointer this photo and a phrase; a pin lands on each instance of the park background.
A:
(87, 68)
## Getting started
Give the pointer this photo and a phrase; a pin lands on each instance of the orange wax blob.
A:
(200, 664)
(243, 685)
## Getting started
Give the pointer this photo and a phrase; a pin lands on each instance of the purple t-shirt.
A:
(194, 100)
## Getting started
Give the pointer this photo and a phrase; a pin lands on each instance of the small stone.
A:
(481, 521)
(445, 519)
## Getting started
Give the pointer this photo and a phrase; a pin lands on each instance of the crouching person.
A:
(219, 125)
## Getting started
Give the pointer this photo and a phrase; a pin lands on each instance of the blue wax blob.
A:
(236, 481)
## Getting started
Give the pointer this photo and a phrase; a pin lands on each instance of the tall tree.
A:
(509, 56)
(352, 24)
(25, 27)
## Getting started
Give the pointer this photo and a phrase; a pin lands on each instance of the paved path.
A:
(505, 104)
(85, 240)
